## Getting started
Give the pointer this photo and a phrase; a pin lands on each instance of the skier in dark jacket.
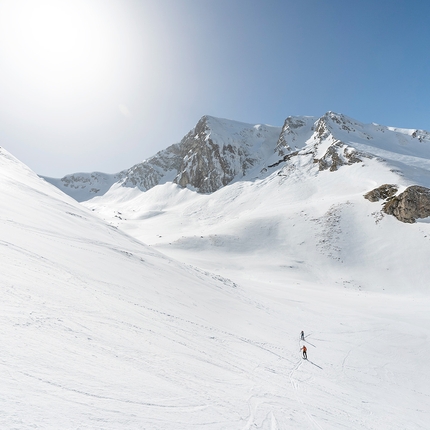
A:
(302, 335)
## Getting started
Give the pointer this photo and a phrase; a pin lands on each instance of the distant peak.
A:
(334, 116)
(210, 122)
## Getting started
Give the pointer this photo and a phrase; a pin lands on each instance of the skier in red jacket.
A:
(304, 349)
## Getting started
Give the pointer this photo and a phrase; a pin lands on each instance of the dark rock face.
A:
(205, 165)
(337, 155)
(196, 161)
(289, 135)
(213, 155)
(413, 203)
(381, 193)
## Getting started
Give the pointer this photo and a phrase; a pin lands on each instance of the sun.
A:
(58, 47)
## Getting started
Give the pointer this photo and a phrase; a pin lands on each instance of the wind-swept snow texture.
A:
(100, 331)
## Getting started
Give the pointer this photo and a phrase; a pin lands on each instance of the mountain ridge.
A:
(218, 152)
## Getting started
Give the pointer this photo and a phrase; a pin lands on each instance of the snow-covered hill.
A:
(101, 330)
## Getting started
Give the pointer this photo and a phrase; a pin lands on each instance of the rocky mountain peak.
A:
(202, 128)
(331, 122)
(292, 129)
(218, 152)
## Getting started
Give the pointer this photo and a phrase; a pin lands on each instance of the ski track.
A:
(295, 385)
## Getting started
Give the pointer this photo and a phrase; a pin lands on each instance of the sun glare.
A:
(57, 47)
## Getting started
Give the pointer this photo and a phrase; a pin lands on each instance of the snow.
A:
(168, 309)
(89, 184)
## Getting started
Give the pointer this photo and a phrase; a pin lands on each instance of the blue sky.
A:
(101, 85)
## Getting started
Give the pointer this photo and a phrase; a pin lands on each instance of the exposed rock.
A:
(210, 160)
(155, 170)
(83, 186)
(322, 129)
(330, 120)
(381, 193)
(206, 166)
(353, 156)
(285, 158)
(288, 135)
(331, 159)
(421, 135)
(413, 203)
(338, 154)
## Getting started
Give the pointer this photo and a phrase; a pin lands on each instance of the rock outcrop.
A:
(291, 137)
(408, 206)
(381, 193)
(413, 203)
(337, 155)
(160, 168)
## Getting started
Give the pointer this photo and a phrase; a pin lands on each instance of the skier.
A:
(305, 354)
(302, 335)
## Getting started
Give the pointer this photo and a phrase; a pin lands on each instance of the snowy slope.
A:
(82, 186)
(101, 331)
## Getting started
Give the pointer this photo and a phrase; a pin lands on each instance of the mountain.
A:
(169, 308)
(311, 189)
(210, 156)
(218, 152)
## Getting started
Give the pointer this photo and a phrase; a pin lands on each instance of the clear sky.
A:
(100, 85)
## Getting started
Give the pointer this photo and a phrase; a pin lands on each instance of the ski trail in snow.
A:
(251, 418)
(111, 398)
(212, 328)
(295, 385)
(270, 420)
(273, 422)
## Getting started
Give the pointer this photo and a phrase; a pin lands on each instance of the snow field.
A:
(302, 264)
(100, 331)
